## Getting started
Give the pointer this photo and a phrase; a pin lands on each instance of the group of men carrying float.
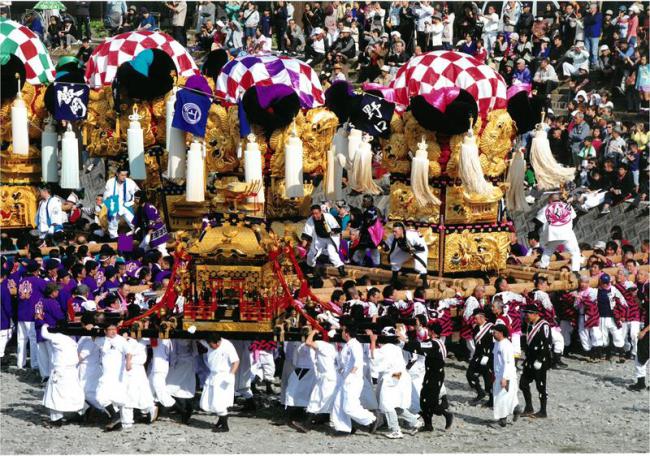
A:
(351, 385)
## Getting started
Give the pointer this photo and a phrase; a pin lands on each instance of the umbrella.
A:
(18, 40)
(263, 70)
(49, 5)
(439, 69)
(108, 56)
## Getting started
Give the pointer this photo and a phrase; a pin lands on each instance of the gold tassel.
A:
(362, 169)
(515, 197)
(549, 174)
(469, 167)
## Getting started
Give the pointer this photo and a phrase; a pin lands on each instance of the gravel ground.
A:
(590, 410)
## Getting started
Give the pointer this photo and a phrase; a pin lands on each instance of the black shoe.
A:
(342, 272)
(249, 405)
(502, 422)
(372, 428)
(489, 404)
(53, 424)
(114, 418)
(516, 414)
(528, 412)
(638, 386)
(269, 388)
(222, 425)
(449, 419)
(341, 434)
(427, 428)
(540, 414)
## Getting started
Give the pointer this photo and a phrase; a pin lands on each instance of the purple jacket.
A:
(47, 310)
(6, 310)
(65, 293)
(162, 275)
(147, 219)
(131, 267)
(108, 284)
(30, 291)
(92, 284)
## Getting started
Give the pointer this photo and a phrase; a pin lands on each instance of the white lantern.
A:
(253, 167)
(49, 153)
(175, 141)
(19, 125)
(70, 160)
(195, 182)
(135, 145)
(293, 184)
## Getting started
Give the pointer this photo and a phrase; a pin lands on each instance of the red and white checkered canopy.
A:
(240, 74)
(18, 40)
(438, 69)
(113, 52)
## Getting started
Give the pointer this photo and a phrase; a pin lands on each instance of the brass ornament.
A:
(466, 251)
(403, 205)
(18, 205)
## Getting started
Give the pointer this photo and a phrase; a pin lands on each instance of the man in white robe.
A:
(404, 245)
(557, 217)
(90, 363)
(300, 386)
(138, 390)
(322, 233)
(181, 379)
(118, 198)
(505, 384)
(219, 389)
(49, 216)
(322, 395)
(116, 361)
(347, 403)
(158, 371)
(63, 392)
(394, 385)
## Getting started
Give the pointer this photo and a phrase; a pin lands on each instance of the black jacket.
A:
(538, 345)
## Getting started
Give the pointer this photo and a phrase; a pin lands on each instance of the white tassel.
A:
(516, 197)
(253, 167)
(293, 184)
(135, 146)
(549, 174)
(354, 141)
(336, 158)
(19, 125)
(70, 160)
(420, 177)
(175, 142)
(362, 169)
(49, 153)
(195, 182)
(469, 167)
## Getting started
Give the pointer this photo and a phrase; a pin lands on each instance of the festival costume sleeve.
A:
(308, 230)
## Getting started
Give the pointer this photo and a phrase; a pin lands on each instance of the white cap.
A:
(316, 31)
(346, 30)
(604, 47)
(220, 24)
(396, 33)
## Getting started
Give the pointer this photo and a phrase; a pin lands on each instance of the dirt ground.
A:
(590, 410)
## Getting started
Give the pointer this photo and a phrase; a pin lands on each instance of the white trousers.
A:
(570, 245)
(321, 245)
(360, 254)
(399, 257)
(44, 358)
(347, 405)
(471, 346)
(5, 336)
(640, 369)
(127, 415)
(589, 337)
(516, 344)
(558, 340)
(162, 248)
(113, 223)
(26, 333)
(567, 331)
(608, 329)
(158, 383)
(630, 335)
(569, 69)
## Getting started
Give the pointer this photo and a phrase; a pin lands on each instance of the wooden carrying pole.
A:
(567, 282)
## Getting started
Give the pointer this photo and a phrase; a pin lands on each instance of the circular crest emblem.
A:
(191, 113)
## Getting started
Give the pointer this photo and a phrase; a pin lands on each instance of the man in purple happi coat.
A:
(47, 311)
(150, 227)
(30, 291)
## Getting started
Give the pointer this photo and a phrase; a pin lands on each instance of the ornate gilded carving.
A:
(278, 207)
(221, 143)
(17, 206)
(466, 251)
(228, 241)
(463, 208)
(395, 154)
(34, 97)
(403, 205)
(496, 141)
(17, 169)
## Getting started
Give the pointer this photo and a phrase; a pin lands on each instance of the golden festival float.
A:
(275, 144)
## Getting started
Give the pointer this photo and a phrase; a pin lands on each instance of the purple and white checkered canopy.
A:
(240, 74)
